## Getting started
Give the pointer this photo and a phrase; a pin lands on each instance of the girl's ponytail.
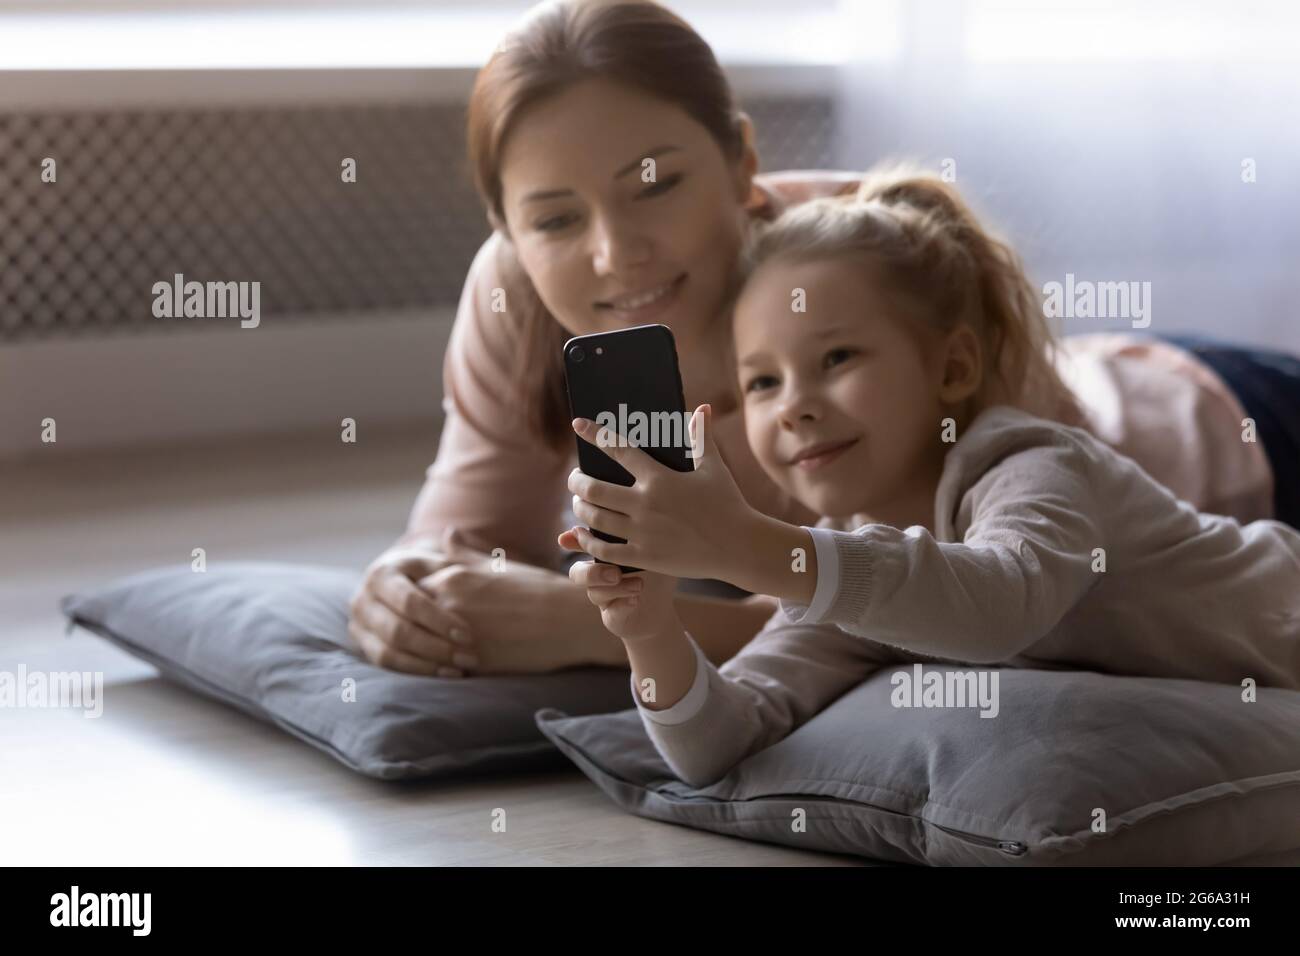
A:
(932, 248)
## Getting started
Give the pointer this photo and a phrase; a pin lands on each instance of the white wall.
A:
(288, 374)
(1108, 139)
(170, 386)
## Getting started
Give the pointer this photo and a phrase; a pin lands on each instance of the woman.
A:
(620, 181)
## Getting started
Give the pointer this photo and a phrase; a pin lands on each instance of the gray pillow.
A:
(1186, 772)
(271, 639)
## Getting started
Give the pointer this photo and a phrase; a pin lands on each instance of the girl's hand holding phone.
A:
(687, 524)
(635, 607)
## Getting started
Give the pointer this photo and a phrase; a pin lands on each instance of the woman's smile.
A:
(643, 305)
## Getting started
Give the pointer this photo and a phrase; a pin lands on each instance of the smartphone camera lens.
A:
(577, 354)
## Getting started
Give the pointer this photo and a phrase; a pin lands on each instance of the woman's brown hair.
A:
(922, 240)
(636, 43)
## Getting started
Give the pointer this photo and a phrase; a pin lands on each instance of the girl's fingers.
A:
(605, 494)
(636, 461)
(607, 595)
(625, 588)
(598, 597)
(620, 554)
(608, 602)
(594, 574)
(602, 519)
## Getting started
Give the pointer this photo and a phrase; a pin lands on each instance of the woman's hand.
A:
(525, 619)
(399, 625)
(635, 607)
(418, 608)
(688, 524)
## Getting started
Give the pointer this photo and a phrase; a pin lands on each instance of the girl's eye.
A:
(554, 223)
(836, 356)
(760, 382)
(661, 187)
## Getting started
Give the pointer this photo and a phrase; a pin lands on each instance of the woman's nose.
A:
(619, 247)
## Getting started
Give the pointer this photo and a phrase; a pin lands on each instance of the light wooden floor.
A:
(166, 777)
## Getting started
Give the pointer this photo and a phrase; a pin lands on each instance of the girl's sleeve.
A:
(780, 680)
(493, 479)
(1025, 560)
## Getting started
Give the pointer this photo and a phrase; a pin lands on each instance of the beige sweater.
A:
(1025, 513)
(498, 482)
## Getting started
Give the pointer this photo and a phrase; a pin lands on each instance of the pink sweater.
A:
(500, 485)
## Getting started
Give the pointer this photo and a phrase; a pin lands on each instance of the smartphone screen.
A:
(629, 381)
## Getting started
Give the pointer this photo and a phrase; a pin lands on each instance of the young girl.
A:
(883, 347)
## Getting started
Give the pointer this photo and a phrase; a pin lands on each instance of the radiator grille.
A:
(256, 195)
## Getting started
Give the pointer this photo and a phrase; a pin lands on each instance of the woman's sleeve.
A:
(493, 479)
(1171, 413)
(1024, 561)
(781, 679)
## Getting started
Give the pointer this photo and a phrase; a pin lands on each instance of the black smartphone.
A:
(629, 381)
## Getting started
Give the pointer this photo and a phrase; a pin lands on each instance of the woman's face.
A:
(605, 248)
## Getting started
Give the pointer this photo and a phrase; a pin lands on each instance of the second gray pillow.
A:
(1076, 768)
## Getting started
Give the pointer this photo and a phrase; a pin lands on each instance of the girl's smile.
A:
(821, 454)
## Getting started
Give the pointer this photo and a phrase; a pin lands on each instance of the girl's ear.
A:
(963, 365)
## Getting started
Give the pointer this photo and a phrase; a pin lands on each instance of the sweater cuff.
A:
(688, 706)
(828, 577)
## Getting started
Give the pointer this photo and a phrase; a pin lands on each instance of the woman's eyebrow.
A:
(546, 194)
(541, 194)
(652, 154)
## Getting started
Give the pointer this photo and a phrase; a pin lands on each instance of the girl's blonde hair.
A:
(922, 240)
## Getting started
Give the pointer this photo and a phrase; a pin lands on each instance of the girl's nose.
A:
(799, 407)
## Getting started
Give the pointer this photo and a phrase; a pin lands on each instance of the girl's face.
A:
(607, 249)
(843, 404)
